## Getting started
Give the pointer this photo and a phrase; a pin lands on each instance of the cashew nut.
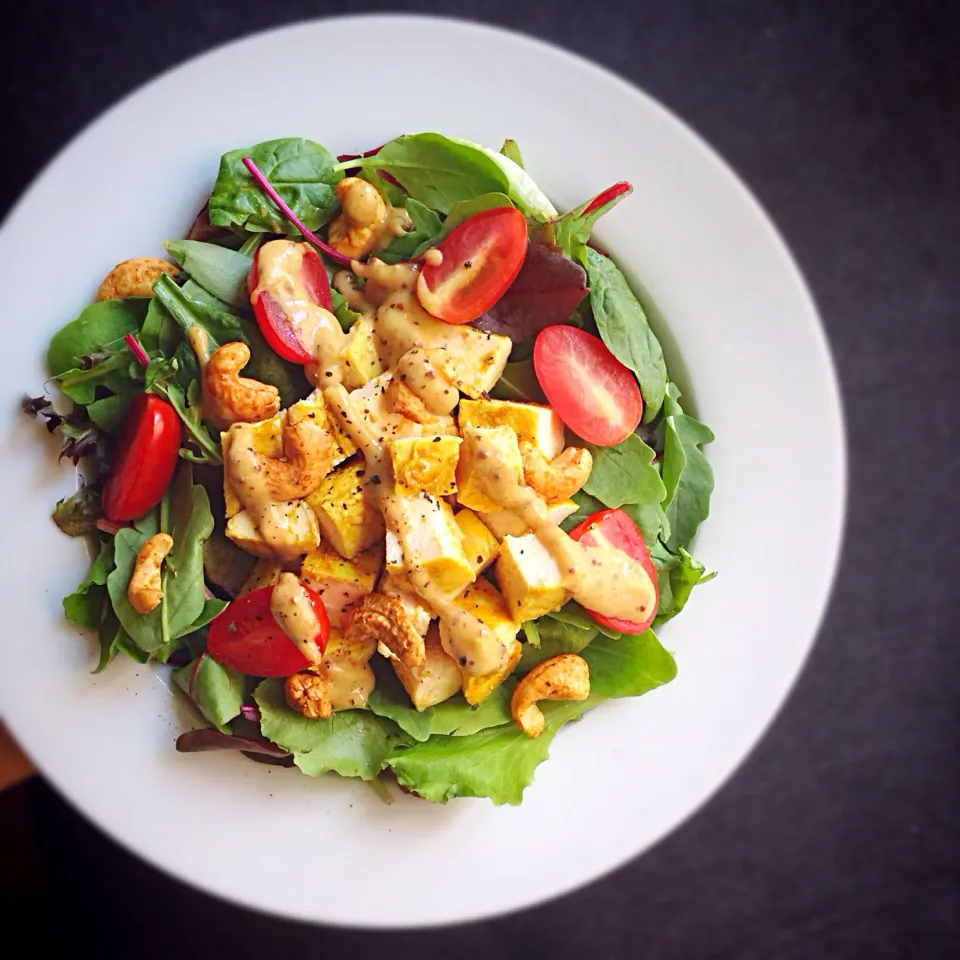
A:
(557, 479)
(307, 694)
(399, 398)
(356, 231)
(309, 451)
(385, 619)
(135, 277)
(563, 677)
(230, 398)
(145, 590)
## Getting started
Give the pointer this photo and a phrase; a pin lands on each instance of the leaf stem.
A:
(133, 343)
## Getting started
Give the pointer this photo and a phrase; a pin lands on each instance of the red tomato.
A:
(144, 459)
(621, 532)
(271, 318)
(481, 258)
(246, 637)
(593, 393)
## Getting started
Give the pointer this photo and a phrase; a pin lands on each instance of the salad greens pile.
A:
(658, 475)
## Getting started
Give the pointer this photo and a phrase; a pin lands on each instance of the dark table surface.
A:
(839, 837)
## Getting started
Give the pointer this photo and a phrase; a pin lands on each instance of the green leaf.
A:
(102, 323)
(341, 311)
(301, 171)
(112, 368)
(426, 225)
(556, 636)
(216, 690)
(108, 636)
(623, 327)
(454, 716)
(221, 271)
(353, 743)
(512, 152)
(518, 382)
(572, 231)
(184, 606)
(77, 515)
(109, 412)
(677, 575)
(161, 380)
(85, 606)
(573, 614)
(687, 474)
(625, 476)
(627, 666)
(438, 171)
(463, 211)
(149, 335)
(587, 506)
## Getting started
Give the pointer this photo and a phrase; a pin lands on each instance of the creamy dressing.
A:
(424, 372)
(199, 341)
(292, 610)
(478, 649)
(280, 263)
(345, 283)
(433, 256)
(346, 673)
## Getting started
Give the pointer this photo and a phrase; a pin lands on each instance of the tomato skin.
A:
(494, 244)
(592, 392)
(246, 638)
(271, 318)
(619, 531)
(145, 457)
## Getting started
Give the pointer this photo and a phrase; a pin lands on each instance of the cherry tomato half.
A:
(481, 258)
(271, 318)
(619, 531)
(144, 459)
(593, 393)
(246, 637)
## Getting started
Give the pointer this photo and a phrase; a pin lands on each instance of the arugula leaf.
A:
(216, 690)
(353, 743)
(512, 152)
(500, 762)
(301, 171)
(463, 211)
(687, 474)
(623, 326)
(426, 225)
(161, 379)
(677, 575)
(104, 322)
(77, 515)
(345, 316)
(546, 291)
(221, 271)
(85, 606)
(625, 476)
(572, 231)
(454, 717)
(436, 170)
(184, 607)
(518, 382)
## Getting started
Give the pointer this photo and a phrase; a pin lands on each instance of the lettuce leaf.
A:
(221, 271)
(216, 690)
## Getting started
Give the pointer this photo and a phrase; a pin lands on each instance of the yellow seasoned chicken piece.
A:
(300, 533)
(504, 523)
(341, 582)
(345, 510)
(529, 578)
(471, 493)
(479, 543)
(433, 681)
(360, 354)
(534, 422)
(435, 545)
(369, 401)
(425, 465)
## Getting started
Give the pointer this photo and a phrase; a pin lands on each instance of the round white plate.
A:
(735, 308)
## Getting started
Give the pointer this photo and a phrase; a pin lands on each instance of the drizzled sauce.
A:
(292, 610)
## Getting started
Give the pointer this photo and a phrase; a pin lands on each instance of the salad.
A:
(384, 462)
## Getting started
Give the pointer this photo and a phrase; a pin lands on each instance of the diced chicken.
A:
(479, 544)
(297, 521)
(504, 523)
(345, 510)
(470, 492)
(436, 546)
(338, 581)
(361, 360)
(435, 680)
(533, 422)
(369, 402)
(529, 578)
(425, 465)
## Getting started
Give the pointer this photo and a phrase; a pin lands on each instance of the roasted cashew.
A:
(563, 677)
(399, 398)
(557, 479)
(307, 694)
(135, 277)
(356, 231)
(384, 619)
(309, 451)
(228, 397)
(145, 590)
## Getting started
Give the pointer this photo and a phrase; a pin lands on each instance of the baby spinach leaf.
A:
(623, 326)
(677, 575)
(463, 211)
(512, 152)
(687, 474)
(625, 476)
(518, 382)
(426, 225)
(85, 606)
(587, 506)
(216, 690)
(436, 170)
(627, 666)
(109, 412)
(219, 270)
(301, 171)
(104, 322)
(353, 743)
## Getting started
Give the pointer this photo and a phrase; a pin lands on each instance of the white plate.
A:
(739, 314)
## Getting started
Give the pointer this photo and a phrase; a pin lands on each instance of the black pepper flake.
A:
(468, 263)
(375, 480)
(436, 439)
(329, 373)
(462, 661)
